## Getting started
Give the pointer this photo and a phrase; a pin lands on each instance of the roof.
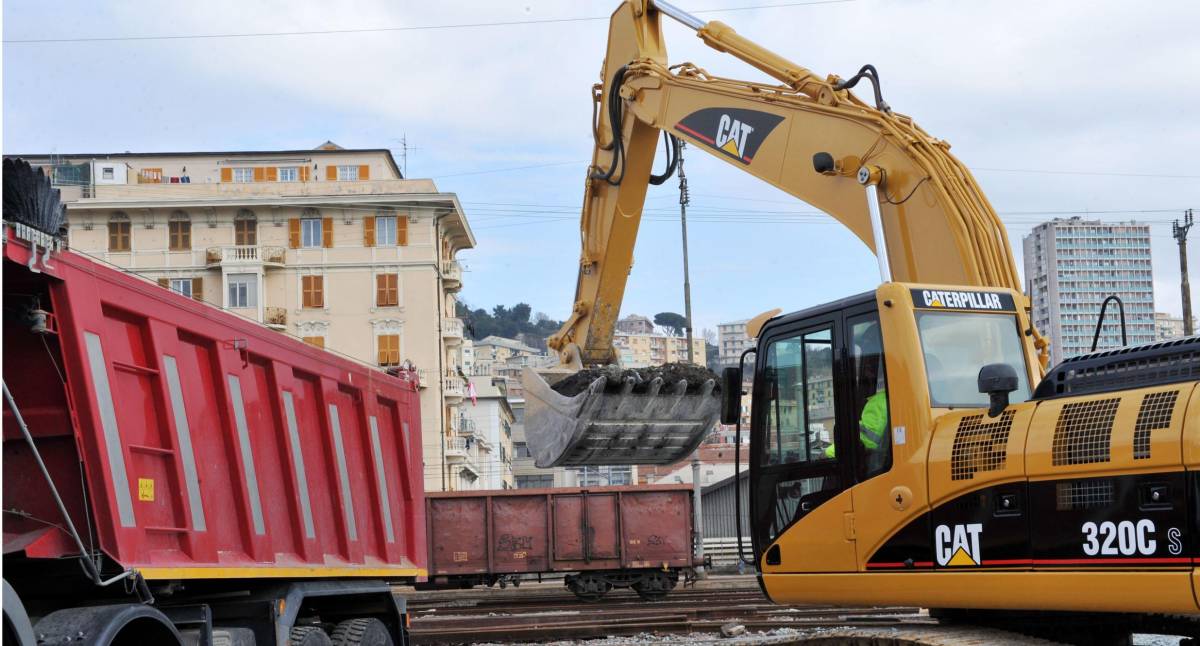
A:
(324, 149)
(503, 342)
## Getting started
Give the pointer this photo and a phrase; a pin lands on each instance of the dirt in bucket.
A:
(670, 374)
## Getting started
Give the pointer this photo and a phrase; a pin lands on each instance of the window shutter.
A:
(294, 233)
(198, 288)
(364, 172)
(164, 283)
(331, 173)
(226, 174)
(402, 230)
(272, 173)
(369, 231)
(304, 171)
(319, 291)
(382, 342)
(260, 174)
(380, 290)
(326, 232)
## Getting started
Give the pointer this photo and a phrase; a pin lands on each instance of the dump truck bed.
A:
(211, 446)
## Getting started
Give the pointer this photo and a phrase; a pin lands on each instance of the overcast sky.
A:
(1063, 92)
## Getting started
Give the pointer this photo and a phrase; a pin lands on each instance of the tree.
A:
(508, 322)
(672, 321)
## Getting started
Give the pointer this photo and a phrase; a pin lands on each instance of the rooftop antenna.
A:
(404, 148)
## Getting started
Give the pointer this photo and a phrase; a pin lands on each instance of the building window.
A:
(313, 288)
(389, 349)
(310, 233)
(245, 232)
(289, 174)
(347, 173)
(243, 175)
(179, 233)
(150, 176)
(535, 482)
(385, 231)
(521, 450)
(318, 341)
(387, 290)
(107, 172)
(243, 290)
(118, 233)
(182, 286)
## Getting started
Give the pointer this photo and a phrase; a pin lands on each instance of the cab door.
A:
(800, 504)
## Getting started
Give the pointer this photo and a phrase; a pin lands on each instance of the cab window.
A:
(957, 344)
(871, 421)
(799, 405)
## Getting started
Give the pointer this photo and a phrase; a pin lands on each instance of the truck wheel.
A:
(364, 631)
(308, 636)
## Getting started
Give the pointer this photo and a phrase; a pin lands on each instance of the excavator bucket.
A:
(617, 419)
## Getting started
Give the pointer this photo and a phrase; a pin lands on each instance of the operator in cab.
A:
(868, 380)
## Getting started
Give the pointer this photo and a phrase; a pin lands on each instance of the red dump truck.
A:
(175, 474)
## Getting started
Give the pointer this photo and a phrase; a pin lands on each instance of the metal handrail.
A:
(1100, 321)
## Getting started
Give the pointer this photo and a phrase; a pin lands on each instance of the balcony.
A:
(453, 388)
(245, 255)
(275, 317)
(452, 330)
(452, 275)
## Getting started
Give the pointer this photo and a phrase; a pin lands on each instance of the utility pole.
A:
(1180, 232)
(684, 200)
(697, 489)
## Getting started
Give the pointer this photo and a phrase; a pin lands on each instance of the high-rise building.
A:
(1072, 265)
(331, 245)
(731, 342)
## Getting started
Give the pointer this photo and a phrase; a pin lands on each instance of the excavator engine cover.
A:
(612, 424)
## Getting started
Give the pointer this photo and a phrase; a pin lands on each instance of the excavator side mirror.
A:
(731, 395)
(997, 380)
(823, 163)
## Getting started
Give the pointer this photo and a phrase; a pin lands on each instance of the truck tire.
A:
(309, 636)
(364, 631)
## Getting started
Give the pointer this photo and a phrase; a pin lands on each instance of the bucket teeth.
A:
(660, 426)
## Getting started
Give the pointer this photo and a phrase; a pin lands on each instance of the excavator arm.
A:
(875, 171)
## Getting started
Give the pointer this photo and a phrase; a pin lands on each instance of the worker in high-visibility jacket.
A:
(873, 421)
(872, 424)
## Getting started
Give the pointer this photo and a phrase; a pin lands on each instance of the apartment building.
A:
(1168, 326)
(331, 245)
(481, 453)
(1072, 265)
(644, 349)
(635, 324)
(731, 342)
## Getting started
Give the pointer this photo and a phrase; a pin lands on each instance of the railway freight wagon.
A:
(177, 474)
(600, 537)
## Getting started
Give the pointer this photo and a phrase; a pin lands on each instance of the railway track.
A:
(548, 613)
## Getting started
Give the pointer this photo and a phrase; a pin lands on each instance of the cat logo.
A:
(957, 545)
(734, 132)
(940, 299)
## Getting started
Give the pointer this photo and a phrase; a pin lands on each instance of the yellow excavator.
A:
(909, 445)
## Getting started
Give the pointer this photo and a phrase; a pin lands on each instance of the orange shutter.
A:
(383, 353)
(327, 232)
(260, 174)
(380, 290)
(198, 288)
(164, 282)
(402, 230)
(318, 341)
(331, 173)
(318, 291)
(369, 231)
(364, 172)
(294, 233)
(272, 173)
(226, 174)
(304, 171)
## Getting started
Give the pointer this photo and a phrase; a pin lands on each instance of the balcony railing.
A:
(452, 328)
(451, 275)
(453, 386)
(275, 316)
(466, 426)
(245, 254)
(456, 447)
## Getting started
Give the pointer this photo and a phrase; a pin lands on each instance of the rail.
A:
(454, 386)
(451, 270)
(245, 253)
(452, 328)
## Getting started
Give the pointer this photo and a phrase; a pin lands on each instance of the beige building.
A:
(732, 341)
(330, 245)
(1167, 326)
(483, 456)
(640, 350)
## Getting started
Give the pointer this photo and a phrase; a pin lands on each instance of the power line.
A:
(368, 30)
(1081, 172)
